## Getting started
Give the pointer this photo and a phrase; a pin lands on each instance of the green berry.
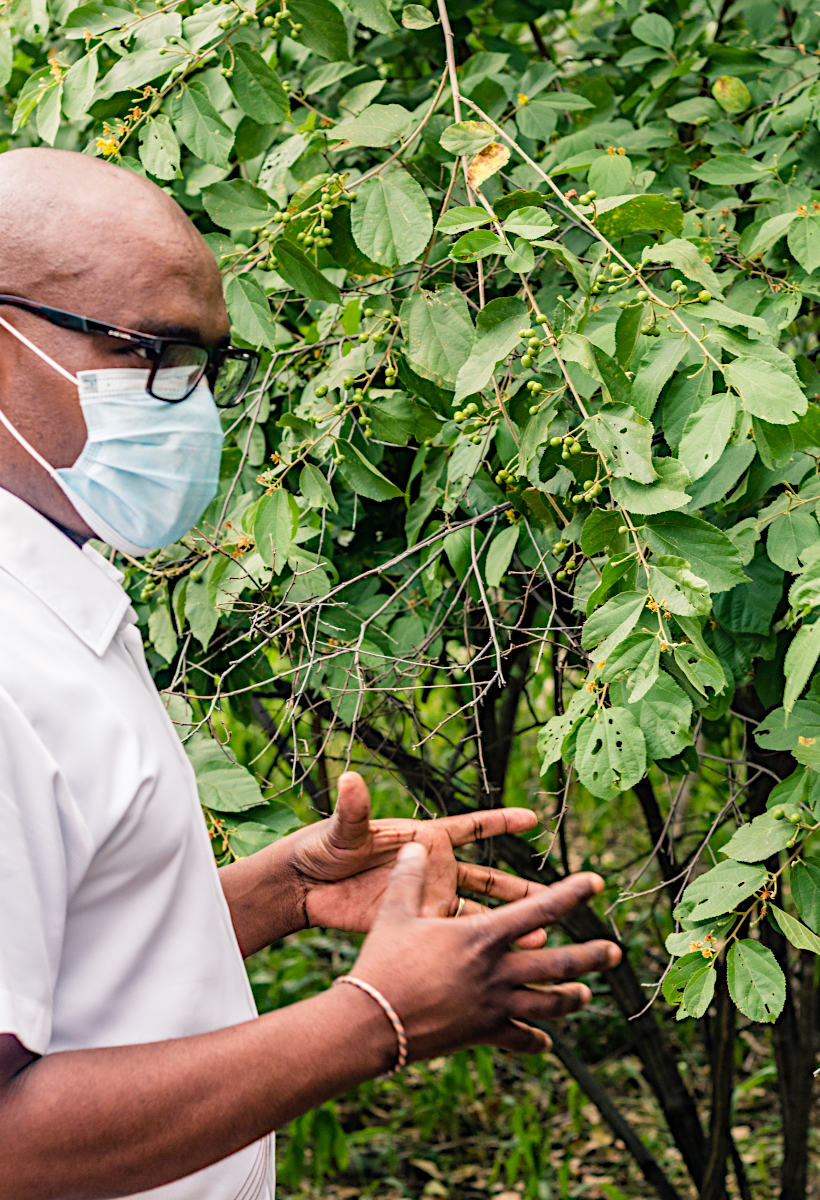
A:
(575, 448)
(778, 813)
(269, 21)
(348, 381)
(534, 343)
(322, 389)
(555, 441)
(526, 360)
(471, 409)
(704, 296)
(616, 270)
(623, 529)
(534, 408)
(794, 818)
(561, 575)
(524, 334)
(370, 312)
(458, 417)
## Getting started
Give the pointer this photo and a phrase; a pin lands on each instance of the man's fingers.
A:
(350, 826)
(405, 885)
(549, 1004)
(522, 1039)
(560, 963)
(489, 822)
(487, 881)
(544, 908)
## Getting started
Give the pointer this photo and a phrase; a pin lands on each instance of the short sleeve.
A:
(43, 844)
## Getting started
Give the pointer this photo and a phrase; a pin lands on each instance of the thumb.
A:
(351, 818)
(405, 887)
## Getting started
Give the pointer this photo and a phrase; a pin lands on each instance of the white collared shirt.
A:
(114, 929)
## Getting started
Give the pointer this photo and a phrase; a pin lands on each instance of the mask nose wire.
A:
(18, 437)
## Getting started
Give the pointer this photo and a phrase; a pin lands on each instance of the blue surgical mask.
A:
(148, 469)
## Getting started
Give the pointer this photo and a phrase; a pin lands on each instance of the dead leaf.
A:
(484, 164)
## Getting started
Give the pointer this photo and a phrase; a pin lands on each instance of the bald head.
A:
(81, 234)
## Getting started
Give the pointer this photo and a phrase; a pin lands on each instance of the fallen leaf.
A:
(484, 164)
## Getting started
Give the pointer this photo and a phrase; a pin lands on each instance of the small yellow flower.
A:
(693, 946)
(107, 145)
(522, 99)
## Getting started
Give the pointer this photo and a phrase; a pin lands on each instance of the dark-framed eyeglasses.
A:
(176, 365)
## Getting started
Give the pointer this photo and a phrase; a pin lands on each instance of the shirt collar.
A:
(79, 586)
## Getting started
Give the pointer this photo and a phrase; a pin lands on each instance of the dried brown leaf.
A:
(484, 164)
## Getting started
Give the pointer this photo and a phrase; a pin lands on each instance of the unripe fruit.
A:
(534, 408)
(370, 312)
(322, 389)
(555, 441)
(704, 296)
(575, 448)
(526, 360)
(348, 381)
(778, 813)
(623, 529)
(794, 818)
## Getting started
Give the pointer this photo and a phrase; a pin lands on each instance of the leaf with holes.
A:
(624, 438)
(610, 752)
(758, 839)
(723, 889)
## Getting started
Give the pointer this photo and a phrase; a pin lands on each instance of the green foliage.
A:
(534, 358)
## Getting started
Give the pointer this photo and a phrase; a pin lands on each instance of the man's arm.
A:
(265, 896)
(89, 1124)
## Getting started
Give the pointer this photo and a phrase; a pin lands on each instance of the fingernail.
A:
(586, 994)
(614, 956)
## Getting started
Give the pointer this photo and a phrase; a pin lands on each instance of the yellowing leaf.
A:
(484, 164)
(731, 94)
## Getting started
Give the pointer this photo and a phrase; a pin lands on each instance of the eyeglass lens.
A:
(181, 367)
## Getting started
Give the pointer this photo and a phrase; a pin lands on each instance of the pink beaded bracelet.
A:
(389, 1011)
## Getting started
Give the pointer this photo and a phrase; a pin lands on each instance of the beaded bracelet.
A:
(389, 1011)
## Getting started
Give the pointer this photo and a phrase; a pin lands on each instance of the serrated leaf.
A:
(479, 243)
(804, 881)
(675, 588)
(729, 170)
(257, 88)
(323, 28)
(78, 86)
(710, 553)
(688, 259)
(316, 489)
(665, 493)
(723, 889)
(680, 973)
(699, 990)
(274, 526)
(457, 220)
(378, 125)
(499, 555)
(801, 937)
(497, 327)
(758, 839)
(756, 982)
(414, 16)
(223, 784)
(374, 14)
(664, 715)
(521, 258)
(302, 273)
(624, 438)
(706, 433)
(765, 391)
(6, 54)
(438, 334)
(804, 242)
(250, 312)
(801, 658)
(552, 735)
(391, 219)
(364, 479)
(636, 662)
(529, 222)
(766, 234)
(159, 148)
(610, 753)
(466, 137)
(619, 215)
(199, 126)
(611, 623)
(654, 30)
(236, 204)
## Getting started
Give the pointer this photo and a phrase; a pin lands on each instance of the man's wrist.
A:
(266, 897)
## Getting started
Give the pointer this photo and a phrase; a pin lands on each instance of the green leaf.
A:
(266, 826)
(706, 432)
(690, 965)
(374, 14)
(223, 784)
(636, 662)
(804, 881)
(457, 220)
(730, 169)
(664, 493)
(499, 555)
(664, 714)
(323, 28)
(758, 839)
(497, 327)
(804, 242)
(654, 369)
(414, 16)
(731, 94)
(756, 982)
(250, 312)
(780, 730)
(801, 658)
(552, 736)
(654, 30)
(161, 631)
(765, 391)
(710, 553)
(611, 623)
(438, 334)
(765, 234)
(159, 148)
(529, 222)
(467, 137)
(6, 54)
(687, 258)
(521, 258)
(470, 247)
(257, 88)
(699, 990)
(302, 274)
(78, 86)
(316, 489)
(619, 215)
(274, 526)
(391, 218)
(796, 932)
(675, 588)
(610, 174)
(199, 126)
(610, 752)
(364, 479)
(723, 889)
(378, 125)
(792, 537)
(236, 204)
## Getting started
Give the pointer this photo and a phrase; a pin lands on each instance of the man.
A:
(132, 1060)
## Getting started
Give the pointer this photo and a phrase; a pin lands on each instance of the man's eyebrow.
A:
(188, 333)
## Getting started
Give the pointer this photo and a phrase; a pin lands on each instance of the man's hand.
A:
(343, 863)
(458, 983)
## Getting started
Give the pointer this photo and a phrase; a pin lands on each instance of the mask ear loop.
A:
(21, 337)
